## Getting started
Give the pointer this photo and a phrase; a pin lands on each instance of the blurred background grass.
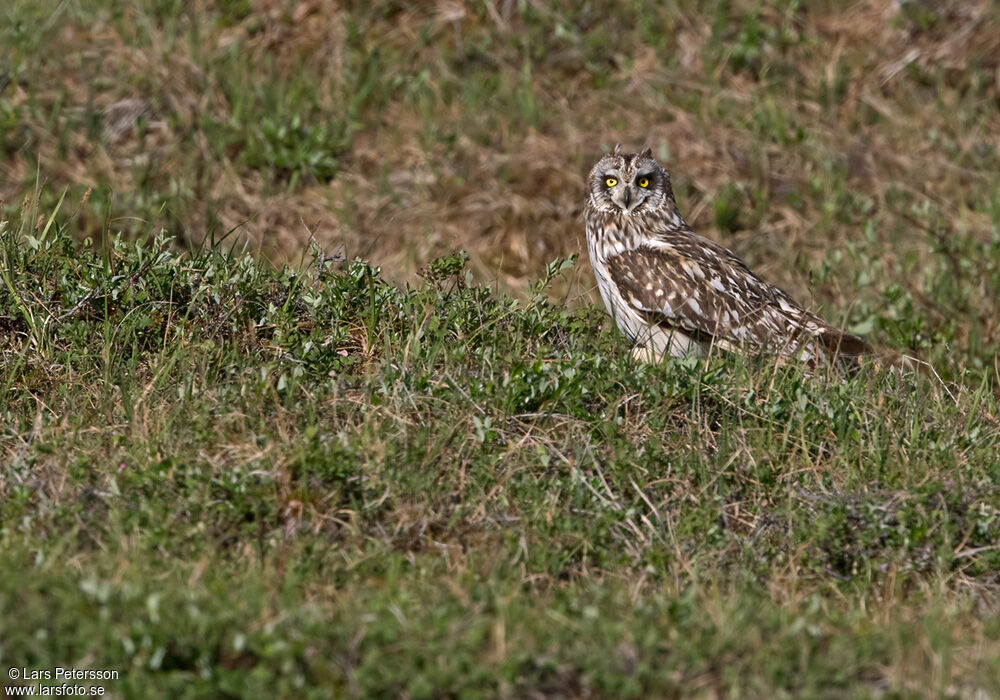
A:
(845, 149)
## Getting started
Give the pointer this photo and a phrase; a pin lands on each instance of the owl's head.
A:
(629, 183)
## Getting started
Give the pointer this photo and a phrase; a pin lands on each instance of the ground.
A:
(286, 472)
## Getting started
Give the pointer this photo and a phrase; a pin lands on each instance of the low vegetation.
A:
(226, 479)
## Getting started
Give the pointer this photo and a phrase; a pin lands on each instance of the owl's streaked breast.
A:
(609, 236)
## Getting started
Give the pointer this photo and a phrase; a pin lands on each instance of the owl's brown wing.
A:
(707, 293)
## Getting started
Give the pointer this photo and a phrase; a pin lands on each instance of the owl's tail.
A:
(853, 353)
(841, 344)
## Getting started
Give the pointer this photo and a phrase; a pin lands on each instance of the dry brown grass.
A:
(509, 189)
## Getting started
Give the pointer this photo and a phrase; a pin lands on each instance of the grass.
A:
(430, 474)
(224, 478)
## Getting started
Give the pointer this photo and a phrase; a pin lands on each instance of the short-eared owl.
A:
(673, 292)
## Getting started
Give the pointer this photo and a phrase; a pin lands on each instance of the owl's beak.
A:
(628, 196)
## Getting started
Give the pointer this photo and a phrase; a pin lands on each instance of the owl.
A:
(674, 292)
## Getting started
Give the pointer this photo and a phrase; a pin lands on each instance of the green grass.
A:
(226, 479)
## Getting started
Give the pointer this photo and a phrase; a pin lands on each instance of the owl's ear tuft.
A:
(647, 152)
(617, 150)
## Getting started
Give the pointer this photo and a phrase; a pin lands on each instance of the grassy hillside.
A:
(224, 479)
(288, 473)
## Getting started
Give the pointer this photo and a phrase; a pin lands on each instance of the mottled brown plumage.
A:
(674, 292)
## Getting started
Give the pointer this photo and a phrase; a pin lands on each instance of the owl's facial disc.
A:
(627, 190)
(629, 183)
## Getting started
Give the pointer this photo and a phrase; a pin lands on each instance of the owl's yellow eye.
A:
(643, 182)
(611, 181)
